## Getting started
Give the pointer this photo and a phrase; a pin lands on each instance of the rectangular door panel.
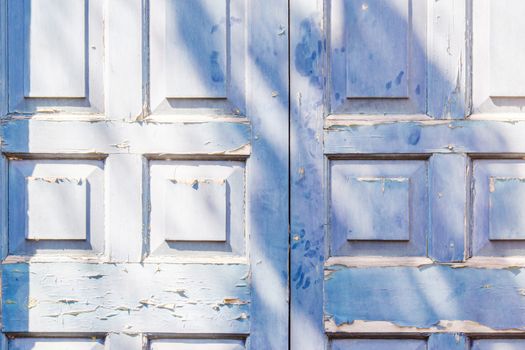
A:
(497, 50)
(55, 56)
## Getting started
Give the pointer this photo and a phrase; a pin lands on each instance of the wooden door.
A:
(407, 174)
(144, 174)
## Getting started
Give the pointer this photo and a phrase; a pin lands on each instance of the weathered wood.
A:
(3, 59)
(125, 340)
(267, 167)
(418, 137)
(307, 182)
(449, 341)
(67, 137)
(197, 344)
(379, 344)
(125, 59)
(497, 344)
(158, 298)
(125, 207)
(497, 85)
(426, 298)
(66, 73)
(448, 189)
(448, 60)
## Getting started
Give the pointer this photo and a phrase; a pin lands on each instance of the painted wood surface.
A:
(444, 270)
(152, 88)
(426, 137)
(97, 298)
(426, 297)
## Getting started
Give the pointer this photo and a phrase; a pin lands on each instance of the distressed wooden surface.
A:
(124, 59)
(135, 113)
(448, 202)
(66, 137)
(470, 136)
(426, 298)
(307, 183)
(71, 77)
(448, 60)
(135, 298)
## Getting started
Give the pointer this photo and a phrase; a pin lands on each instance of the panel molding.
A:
(404, 89)
(497, 46)
(85, 98)
(213, 79)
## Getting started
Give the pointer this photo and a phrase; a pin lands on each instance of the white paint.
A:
(200, 203)
(55, 55)
(124, 59)
(497, 53)
(55, 344)
(56, 208)
(196, 344)
(507, 51)
(124, 218)
(55, 200)
(195, 211)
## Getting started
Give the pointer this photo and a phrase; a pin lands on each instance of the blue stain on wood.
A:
(414, 137)
(307, 52)
(217, 74)
(399, 77)
(422, 297)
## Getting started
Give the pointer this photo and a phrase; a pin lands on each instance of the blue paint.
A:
(217, 74)
(409, 296)
(399, 77)
(307, 52)
(506, 209)
(388, 85)
(414, 136)
(418, 89)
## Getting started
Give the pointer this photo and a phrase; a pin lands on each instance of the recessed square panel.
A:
(55, 56)
(379, 344)
(378, 207)
(506, 219)
(498, 344)
(55, 344)
(197, 56)
(196, 211)
(498, 207)
(196, 207)
(377, 56)
(47, 198)
(384, 213)
(56, 205)
(377, 60)
(196, 344)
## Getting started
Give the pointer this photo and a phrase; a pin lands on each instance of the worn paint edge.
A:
(443, 326)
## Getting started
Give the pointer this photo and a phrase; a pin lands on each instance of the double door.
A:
(231, 174)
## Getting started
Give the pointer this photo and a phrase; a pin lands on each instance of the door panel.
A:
(144, 174)
(405, 208)
(497, 88)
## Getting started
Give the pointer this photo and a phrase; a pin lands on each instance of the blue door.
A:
(144, 174)
(407, 175)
